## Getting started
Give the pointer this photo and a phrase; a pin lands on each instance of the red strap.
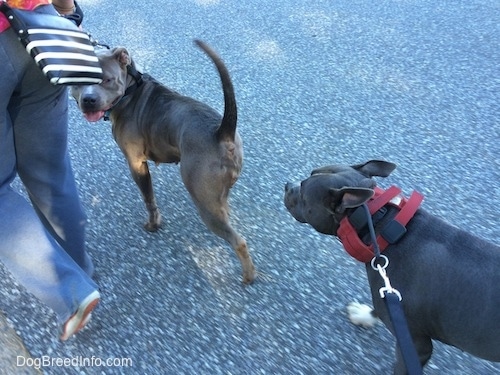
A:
(349, 237)
(352, 243)
(382, 198)
(404, 216)
(409, 209)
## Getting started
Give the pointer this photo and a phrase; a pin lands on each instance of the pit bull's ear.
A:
(375, 168)
(122, 55)
(348, 197)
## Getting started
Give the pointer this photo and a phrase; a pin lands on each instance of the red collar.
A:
(390, 233)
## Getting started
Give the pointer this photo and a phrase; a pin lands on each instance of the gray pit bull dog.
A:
(449, 279)
(152, 122)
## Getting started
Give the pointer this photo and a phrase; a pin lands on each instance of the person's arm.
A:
(69, 9)
(64, 6)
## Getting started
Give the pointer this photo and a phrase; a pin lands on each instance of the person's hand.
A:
(64, 6)
(74, 13)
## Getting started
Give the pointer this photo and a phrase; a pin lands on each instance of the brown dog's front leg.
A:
(141, 176)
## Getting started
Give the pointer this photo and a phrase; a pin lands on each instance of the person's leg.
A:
(40, 134)
(27, 249)
(40, 113)
(37, 261)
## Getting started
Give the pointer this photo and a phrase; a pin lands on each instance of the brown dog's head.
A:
(95, 100)
(322, 199)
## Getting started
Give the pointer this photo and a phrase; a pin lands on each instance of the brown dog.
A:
(152, 122)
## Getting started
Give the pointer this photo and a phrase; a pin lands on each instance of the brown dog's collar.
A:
(350, 226)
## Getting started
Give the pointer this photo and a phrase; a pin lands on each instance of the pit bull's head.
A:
(322, 200)
(95, 100)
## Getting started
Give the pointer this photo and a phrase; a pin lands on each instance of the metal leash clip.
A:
(381, 270)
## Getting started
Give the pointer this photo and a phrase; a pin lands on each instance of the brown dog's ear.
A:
(348, 198)
(375, 168)
(122, 55)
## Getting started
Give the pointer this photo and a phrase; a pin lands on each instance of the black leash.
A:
(392, 299)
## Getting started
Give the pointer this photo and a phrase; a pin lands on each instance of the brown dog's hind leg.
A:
(208, 182)
(217, 220)
(219, 224)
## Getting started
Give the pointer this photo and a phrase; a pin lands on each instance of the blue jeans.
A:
(42, 243)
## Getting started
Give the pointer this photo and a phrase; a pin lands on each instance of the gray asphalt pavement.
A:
(317, 82)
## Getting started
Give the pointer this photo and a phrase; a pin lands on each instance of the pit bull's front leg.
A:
(140, 173)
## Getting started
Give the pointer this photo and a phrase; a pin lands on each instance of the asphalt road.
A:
(317, 82)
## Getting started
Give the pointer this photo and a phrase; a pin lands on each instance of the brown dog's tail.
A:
(227, 128)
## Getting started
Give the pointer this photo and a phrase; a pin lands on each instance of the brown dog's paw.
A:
(152, 227)
(154, 222)
(249, 278)
(249, 274)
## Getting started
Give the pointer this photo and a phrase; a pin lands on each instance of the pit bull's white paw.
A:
(361, 315)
